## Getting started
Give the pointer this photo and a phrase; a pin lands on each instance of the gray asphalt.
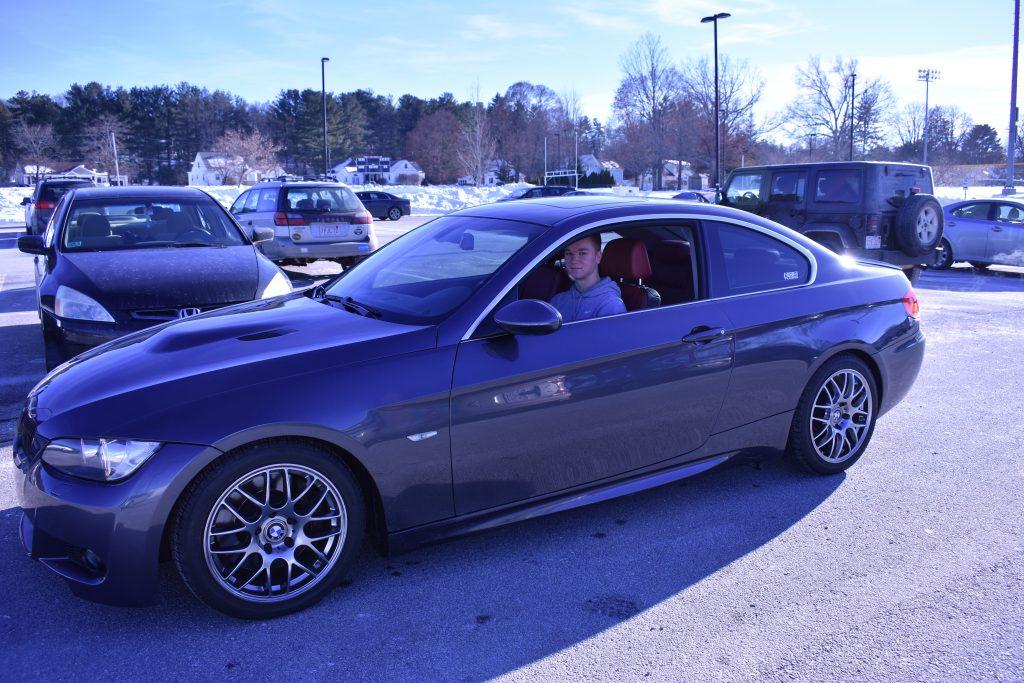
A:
(907, 567)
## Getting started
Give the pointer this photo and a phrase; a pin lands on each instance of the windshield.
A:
(421, 277)
(119, 223)
(321, 199)
(52, 192)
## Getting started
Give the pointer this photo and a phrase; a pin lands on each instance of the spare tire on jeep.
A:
(919, 225)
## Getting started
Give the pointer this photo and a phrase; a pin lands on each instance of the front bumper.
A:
(103, 539)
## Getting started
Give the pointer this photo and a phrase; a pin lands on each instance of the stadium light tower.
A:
(926, 75)
(713, 19)
(323, 97)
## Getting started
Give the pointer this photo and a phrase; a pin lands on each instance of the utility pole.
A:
(323, 96)
(718, 153)
(926, 75)
(1008, 188)
(117, 166)
(853, 109)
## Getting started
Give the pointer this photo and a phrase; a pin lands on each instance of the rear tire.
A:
(944, 259)
(394, 213)
(913, 273)
(292, 509)
(835, 418)
(979, 265)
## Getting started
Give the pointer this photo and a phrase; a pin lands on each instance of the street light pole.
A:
(926, 75)
(713, 19)
(853, 109)
(1008, 188)
(323, 97)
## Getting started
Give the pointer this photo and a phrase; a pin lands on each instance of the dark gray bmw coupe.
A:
(433, 390)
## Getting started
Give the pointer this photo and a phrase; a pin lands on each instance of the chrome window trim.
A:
(655, 217)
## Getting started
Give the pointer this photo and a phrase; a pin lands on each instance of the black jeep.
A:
(878, 210)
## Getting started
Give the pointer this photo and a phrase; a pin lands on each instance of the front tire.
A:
(268, 530)
(835, 417)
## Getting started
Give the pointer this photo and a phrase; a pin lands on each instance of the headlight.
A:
(279, 284)
(71, 303)
(98, 459)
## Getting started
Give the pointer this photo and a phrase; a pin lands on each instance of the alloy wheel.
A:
(841, 416)
(275, 533)
(927, 225)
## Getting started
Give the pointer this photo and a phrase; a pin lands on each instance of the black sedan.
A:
(385, 205)
(117, 260)
(539, 192)
(691, 196)
(450, 383)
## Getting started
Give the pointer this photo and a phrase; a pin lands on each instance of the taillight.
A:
(362, 218)
(915, 189)
(43, 205)
(282, 218)
(911, 303)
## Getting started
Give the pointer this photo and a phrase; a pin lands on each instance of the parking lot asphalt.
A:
(908, 566)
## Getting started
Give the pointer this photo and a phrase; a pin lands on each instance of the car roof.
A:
(140, 191)
(552, 211)
(297, 183)
(826, 164)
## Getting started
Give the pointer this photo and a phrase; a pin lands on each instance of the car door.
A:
(786, 198)
(1006, 235)
(968, 231)
(532, 415)
(264, 207)
(759, 278)
(369, 200)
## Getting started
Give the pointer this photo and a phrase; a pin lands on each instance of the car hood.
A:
(134, 279)
(262, 341)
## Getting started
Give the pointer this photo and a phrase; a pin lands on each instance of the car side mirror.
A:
(262, 235)
(25, 201)
(31, 244)
(528, 316)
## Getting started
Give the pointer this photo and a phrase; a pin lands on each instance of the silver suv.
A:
(310, 220)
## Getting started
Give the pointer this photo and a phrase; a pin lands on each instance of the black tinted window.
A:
(838, 186)
(745, 260)
(52, 192)
(972, 211)
(788, 186)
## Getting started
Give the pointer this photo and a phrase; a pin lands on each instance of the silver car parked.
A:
(983, 232)
(310, 220)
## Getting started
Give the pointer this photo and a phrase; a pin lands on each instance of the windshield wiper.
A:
(351, 304)
(196, 244)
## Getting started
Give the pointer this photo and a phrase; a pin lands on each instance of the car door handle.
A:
(951, 223)
(704, 335)
(996, 228)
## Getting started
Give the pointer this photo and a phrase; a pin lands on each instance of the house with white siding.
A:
(381, 170)
(215, 168)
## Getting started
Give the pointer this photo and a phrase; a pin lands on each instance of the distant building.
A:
(31, 173)
(591, 165)
(214, 168)
(496, 172)
(381, 170)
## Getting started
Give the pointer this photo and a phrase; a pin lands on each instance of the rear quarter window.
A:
(743, 261)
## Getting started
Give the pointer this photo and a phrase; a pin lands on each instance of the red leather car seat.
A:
(625, 260)
(544, 282)
(673, 271)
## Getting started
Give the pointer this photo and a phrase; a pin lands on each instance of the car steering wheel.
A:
(194, 235)
(749, 196)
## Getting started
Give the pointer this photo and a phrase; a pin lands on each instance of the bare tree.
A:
(98, 148)
(909, 123)
(824, 104)
(431, 143)
(37, 143)
(740, 88)
(476, 143)
(649, 87)
(246, 151)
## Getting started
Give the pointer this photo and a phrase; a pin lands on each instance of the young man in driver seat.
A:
(590, 296)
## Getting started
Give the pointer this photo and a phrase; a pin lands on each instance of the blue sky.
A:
(254, 48)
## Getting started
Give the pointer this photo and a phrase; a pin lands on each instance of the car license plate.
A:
(873, 242)
(327, 231)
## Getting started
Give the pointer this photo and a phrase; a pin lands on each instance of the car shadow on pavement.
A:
(18, 342)
(469, 609)
(18, 300)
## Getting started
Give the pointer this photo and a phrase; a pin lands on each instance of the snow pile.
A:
(439, 199)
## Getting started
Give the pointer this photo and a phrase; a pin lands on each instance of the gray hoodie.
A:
(604, 298)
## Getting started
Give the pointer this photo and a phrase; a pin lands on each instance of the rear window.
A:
(840, 186)
(745, 261)
(320, 199)
(52, 192)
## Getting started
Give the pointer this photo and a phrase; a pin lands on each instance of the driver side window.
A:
(744, 191)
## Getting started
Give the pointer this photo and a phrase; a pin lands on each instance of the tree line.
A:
(662, 110)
